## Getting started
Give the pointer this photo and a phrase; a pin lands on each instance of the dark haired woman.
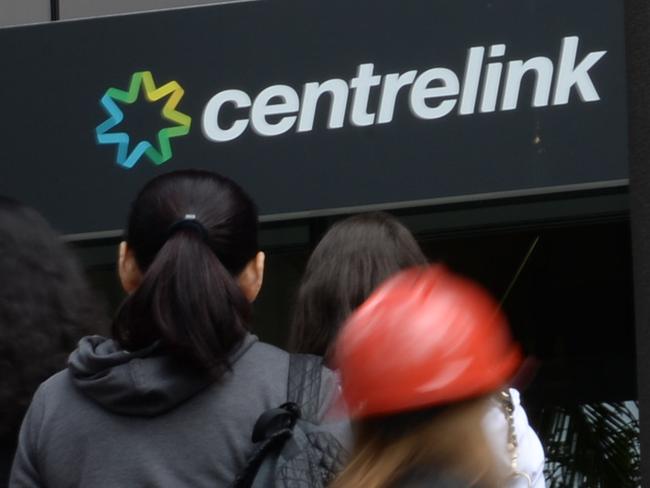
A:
(171, 400)
(351, 260)
(46, 306)
(354, 257)
(418, 361)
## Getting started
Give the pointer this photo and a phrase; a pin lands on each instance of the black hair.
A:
(189, 298)
(354, 257)
(46, 306)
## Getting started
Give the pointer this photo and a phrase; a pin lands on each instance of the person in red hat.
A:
(419, 361)
(353, 258)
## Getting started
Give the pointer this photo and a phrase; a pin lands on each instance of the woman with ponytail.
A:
(172, 398)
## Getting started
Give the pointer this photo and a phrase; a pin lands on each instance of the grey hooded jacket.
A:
(140, 419)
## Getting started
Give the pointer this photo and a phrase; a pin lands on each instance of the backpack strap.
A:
(261, 463)
(303, 384)
(275, 427)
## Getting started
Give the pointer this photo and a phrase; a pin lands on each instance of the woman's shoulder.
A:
(269, 363)
(266, 355)
(260, 360)
(52, 397)
(274, 360)
(55, 387)
(265, 350)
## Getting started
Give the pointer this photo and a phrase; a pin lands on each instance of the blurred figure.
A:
(418, 361)
(172, 398)
(354, 257)
(46, 306)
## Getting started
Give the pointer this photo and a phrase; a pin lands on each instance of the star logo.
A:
(142, 81)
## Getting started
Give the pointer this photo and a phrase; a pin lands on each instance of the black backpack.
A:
(291, 450)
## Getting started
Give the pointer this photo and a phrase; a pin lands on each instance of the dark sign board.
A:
(315, 106)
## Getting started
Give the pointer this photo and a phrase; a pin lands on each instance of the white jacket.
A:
(530, 451)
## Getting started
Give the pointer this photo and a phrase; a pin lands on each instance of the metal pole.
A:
(54, 10)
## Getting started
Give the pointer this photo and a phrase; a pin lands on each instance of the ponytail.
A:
(189, 298)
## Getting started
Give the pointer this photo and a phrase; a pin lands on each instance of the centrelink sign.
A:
(431, 93)
(319, 109)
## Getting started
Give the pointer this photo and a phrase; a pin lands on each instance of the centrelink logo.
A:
(142, 82)
(431, 94)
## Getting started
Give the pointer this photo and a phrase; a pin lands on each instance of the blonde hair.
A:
(448, 439)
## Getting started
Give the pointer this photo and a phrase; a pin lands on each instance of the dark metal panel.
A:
(638, 62)
(412, 159)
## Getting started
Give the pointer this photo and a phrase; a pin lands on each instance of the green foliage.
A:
(592, 445)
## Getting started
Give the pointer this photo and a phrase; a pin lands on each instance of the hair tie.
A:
(188, 222)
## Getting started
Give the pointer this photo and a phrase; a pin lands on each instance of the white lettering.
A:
(433, 94)
(421, 91)
(543, 68)
(262, 108)
(492, 80)
(393, 82)
(570, 75)
(210, 119)
(472, 80)
(361, 86)
(310, 95)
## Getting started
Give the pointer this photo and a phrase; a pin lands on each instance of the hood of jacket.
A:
(143, 383)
